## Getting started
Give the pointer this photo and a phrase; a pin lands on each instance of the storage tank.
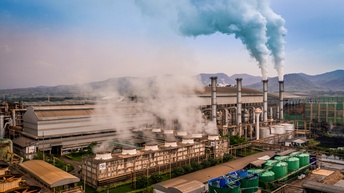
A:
(293, 164)
(264, 132)
(279, 129)
(256, 171)
(280, 169)
(304, 159)
(267, 176)
(294, 154)
(270, 163)
(288, 127)
(249, 182)
(281, 158)
(223, 184)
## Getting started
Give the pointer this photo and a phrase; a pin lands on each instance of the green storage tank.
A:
(304, 159)
(294, 154)
(293, 164)
(281, 158)
(280, 169)
(251, 181)
(267, 176)
(270, 163)
(256, 171)
(217, 185)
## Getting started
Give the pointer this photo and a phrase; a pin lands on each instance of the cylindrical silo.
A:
(264, 132)
(280, 169)
(270, 163)
(281, 158)
(293, 164)
(304, 159)
(267, 176)
(250, 183)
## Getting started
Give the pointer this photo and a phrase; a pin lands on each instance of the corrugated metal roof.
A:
(286, 152)
(49, 174)
(193, 186)
(64, 113)
(206, 174)
(23, 141)
(312, 185)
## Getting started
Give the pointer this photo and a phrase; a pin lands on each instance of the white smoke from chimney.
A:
(251, 21)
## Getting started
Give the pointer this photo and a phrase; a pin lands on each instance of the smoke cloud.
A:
(253, 22)
(166, 101)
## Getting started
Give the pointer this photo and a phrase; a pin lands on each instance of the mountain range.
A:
(326, 83)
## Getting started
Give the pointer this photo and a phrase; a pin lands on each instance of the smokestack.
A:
(239, 85)
(265, 100)
(2, 132)
(213, 97)
(281, 90)
(14, 117)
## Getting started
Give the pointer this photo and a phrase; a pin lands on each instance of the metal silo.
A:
(293, 164)
(267, 176)
(304, 159)
(280, 169)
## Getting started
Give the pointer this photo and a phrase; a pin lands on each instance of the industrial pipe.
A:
(265, 100)
(281, 90)
(213, 97)
(239, 85)
(257, 112)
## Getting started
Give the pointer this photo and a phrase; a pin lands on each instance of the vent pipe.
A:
(239, 85)
(265, 100)
(281, 90)
(213, 97)
(257, 112)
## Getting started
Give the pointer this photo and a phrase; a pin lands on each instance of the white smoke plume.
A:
(251, 21)
(171, 98)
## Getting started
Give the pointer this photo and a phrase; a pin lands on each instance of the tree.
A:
(155, 178)
(196, 166)
(187, 168)
(141, 182)
(178, 171)
(227, 157)
(205, 163)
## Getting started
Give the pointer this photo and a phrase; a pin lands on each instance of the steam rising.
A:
(168, 101)
(253, 22)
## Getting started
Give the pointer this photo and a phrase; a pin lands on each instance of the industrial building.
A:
(59, 127)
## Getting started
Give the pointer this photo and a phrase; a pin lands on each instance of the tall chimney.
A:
(281, 90)
(239, 85)
(265, 100)
(213, 97)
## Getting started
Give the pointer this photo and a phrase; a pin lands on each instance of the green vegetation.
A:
(235, 139)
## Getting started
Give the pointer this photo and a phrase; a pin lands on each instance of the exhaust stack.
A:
(213, 97)
(239, 85)
(265, 100)
(281, 90)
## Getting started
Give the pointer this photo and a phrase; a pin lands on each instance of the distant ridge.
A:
(328, 83)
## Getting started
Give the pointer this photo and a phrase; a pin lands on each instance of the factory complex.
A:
(133, 140)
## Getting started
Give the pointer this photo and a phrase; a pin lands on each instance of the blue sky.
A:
(72, 42)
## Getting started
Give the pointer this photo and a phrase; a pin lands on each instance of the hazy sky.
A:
(78, 41)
